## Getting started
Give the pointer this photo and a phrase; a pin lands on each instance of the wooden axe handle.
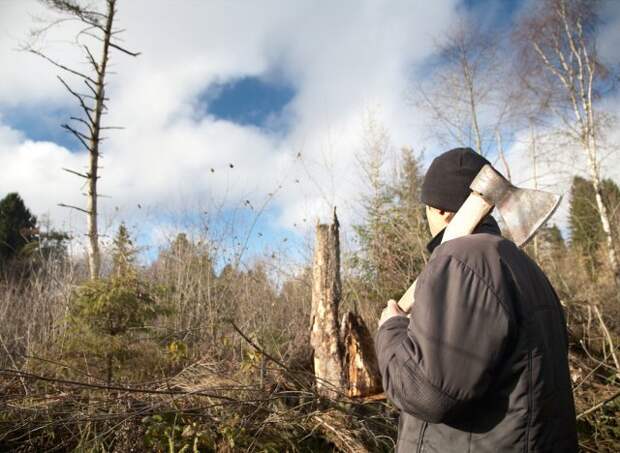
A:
(463, 223)
(467, 217)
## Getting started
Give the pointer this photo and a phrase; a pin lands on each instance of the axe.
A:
(524, 211)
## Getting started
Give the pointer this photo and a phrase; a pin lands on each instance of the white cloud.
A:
(340, 57)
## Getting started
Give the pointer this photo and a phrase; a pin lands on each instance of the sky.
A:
(244, 116)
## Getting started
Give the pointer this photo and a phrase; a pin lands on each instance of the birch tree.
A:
(562, 70)
(466, 96)
(97, 39)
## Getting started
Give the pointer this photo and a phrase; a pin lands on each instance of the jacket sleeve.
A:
(445, 357)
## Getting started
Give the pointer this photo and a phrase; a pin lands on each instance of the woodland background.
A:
(205, 347)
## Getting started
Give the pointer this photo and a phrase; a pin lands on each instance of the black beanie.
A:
(446, 183)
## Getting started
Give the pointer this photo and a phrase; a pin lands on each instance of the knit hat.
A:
(446, 183)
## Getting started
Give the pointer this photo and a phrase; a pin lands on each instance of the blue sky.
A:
(250, 101)
(283, 91)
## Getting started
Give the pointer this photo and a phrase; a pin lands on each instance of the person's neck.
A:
(487, 225)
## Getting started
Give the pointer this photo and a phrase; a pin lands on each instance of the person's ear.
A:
(447, 215)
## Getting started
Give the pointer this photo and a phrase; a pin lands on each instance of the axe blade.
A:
(525, 211)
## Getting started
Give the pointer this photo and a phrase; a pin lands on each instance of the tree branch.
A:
(77, 173)
(77, 134)
(122, 49)
(80, 99)
(599, 405)
(62, 205)
(61, 66)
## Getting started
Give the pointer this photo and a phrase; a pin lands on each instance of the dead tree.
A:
(561, 69)
(326, 294)
(344, 357)
(87, 128)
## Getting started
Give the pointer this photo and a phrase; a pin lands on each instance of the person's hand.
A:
(392, 309)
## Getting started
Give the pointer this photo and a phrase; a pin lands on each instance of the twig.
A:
(609, 340)
(599, 405)
(8, 353)
(111, 387)
(62, 205)
(258, 348)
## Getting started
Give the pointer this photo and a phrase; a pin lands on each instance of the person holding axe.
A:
(480, 362)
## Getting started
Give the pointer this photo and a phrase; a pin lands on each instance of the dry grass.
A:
(246, 386)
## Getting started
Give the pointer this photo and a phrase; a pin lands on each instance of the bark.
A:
(469, 81)
(361, 369)
(94, 255)
(326, 294)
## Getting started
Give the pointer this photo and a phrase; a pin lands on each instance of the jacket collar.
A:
(487, 225)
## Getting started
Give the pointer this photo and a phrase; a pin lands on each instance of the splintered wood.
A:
(360, 361)
(344, 359)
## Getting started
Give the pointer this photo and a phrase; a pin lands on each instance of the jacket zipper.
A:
(421, 436)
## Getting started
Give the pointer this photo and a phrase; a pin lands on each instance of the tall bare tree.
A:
(97, 39)
(466, 96)
(562, 70)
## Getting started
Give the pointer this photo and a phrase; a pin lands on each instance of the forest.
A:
(205, 344)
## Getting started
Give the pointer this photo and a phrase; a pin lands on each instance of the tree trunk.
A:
(94, 255)
(604, 216)
(326, 293)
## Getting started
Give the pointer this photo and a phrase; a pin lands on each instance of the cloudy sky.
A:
(232, 108)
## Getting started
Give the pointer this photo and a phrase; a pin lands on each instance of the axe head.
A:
(524, 211)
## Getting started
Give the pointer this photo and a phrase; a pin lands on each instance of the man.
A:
(481, 364)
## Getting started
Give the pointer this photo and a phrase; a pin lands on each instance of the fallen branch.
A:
(258, 348)
(599, 405)
(110, 387)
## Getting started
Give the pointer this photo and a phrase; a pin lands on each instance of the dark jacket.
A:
(482, 364)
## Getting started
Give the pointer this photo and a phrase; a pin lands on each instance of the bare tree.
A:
(561, 69)
(98, 30)
(467, 96)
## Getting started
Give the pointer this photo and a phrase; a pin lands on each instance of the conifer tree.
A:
(107, 315)
(587, 233)
(124, 253)
(394, 236)
(18, 226)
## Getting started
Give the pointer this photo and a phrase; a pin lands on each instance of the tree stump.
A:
(326, 294)
(344, 358)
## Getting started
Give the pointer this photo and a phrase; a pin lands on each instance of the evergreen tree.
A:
(585, 225)
(18, 226)
(393, 238)
(107, 315)
(123, 253)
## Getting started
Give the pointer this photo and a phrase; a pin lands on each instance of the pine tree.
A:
(393, 238)
(18, 226)
(107, 315)
(124, 253)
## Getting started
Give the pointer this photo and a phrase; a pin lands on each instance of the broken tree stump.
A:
(326, 294)
(344, 357)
